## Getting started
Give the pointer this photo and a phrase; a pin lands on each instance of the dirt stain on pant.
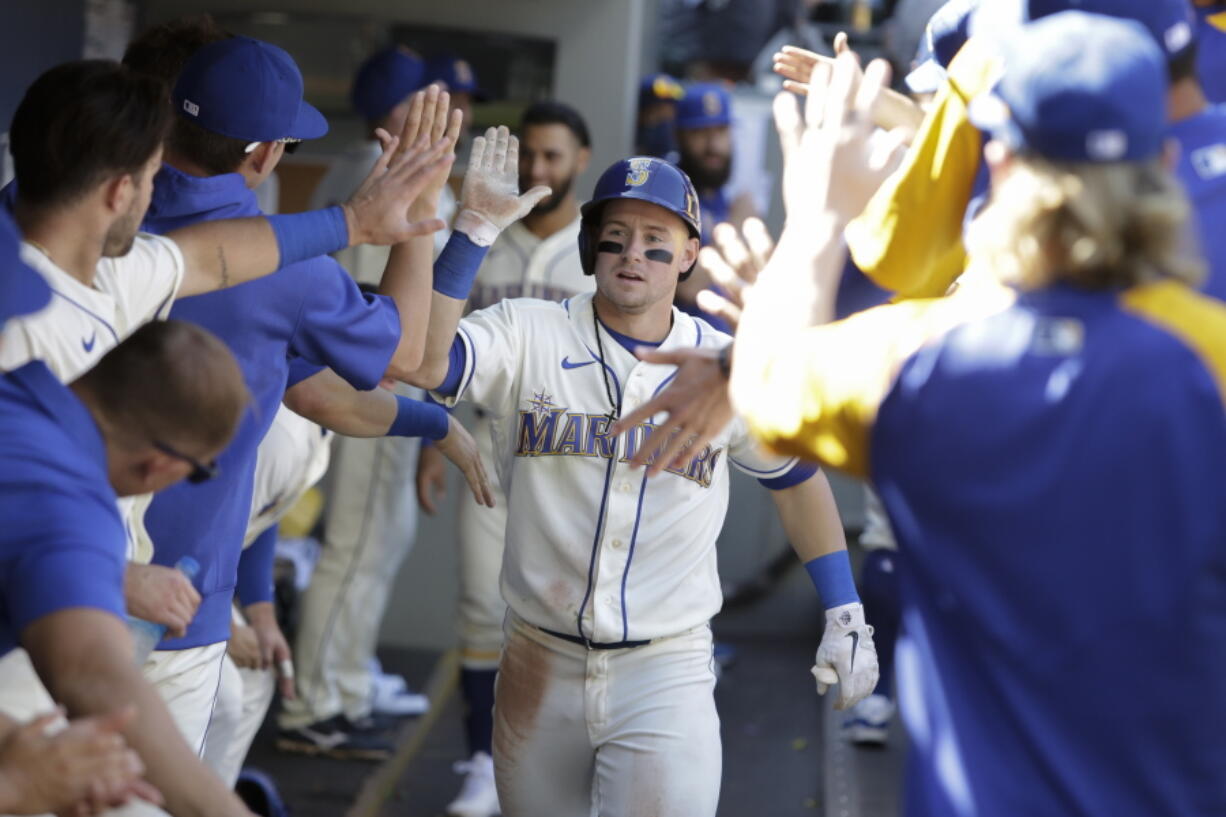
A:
(523, 678)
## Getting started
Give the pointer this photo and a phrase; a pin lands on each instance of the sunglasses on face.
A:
(201, 472)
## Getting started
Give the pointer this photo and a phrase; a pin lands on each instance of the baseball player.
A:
(1211, 55)
(1049, 453)
(81, 193)
(604, 691)
(656, 117)
(152, 411)
(328, 321)
(536, 257)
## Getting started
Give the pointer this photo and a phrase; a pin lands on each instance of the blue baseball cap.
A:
(1078, 87)
(1171, 23)
(454, 73)
(946, 32)
(705, 105)
(659, 88)
(22, 290)
(249, 90)
(385, 80)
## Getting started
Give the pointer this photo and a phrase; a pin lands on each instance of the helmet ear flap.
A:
(587, 249)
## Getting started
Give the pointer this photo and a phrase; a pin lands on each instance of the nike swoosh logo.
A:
(855, 644)
(566, 364)
(88, 345)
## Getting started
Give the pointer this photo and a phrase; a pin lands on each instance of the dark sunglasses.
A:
(201, 472)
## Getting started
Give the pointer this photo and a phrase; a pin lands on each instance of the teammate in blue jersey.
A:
(1211, 58)
(155, 409)
(1049, 452)
(229, 135)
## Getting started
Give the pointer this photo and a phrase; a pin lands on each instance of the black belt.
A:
(595, 645)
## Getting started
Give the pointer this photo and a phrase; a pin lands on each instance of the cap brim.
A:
(926, 78)
(309, 124)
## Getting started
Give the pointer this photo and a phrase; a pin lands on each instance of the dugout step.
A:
(861, 781)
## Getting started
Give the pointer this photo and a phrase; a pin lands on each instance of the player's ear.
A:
(585, 157)
(118, 191)
(689, 253)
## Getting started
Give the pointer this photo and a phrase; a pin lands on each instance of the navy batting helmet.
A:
(645, 178)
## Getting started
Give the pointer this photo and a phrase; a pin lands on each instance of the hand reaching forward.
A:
(429, 119)
(734, 262)
(379, 211)
(491, 185)
(460, 447)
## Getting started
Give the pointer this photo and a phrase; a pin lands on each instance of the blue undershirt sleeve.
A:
(255, 569)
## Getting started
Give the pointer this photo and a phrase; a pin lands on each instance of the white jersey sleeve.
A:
(492, 340)
(747, 455)
(145, 281)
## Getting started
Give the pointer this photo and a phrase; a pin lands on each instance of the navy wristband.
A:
(416, 418)
(308, 235)
(457, 265)
(831, 576)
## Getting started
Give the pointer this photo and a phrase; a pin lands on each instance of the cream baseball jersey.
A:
(293, 456)
(83, 323)
(521, 265)
(594, 548)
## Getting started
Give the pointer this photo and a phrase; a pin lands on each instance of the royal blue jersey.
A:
(1053, 468)
(1211, 51)
(310, 310)
(62, 542)
(1202, 170)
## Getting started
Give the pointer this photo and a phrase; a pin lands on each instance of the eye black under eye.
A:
(611, 247)
(659, 256)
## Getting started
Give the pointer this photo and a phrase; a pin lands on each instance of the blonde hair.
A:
(1094, 225)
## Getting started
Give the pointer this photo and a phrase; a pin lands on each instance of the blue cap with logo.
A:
(645, 178)
(1078, 87)
(385, 80)
(947, 31)
(1172, 23)
(247, 89)
(22, 290)
(705, 105)
(454, 73)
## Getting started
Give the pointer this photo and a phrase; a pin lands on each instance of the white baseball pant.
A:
(242, 703)
(482, 538)
(369, 528)
(188, 681)
(581, 732)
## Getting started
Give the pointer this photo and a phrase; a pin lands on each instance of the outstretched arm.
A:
(226, 253)
(489, 203)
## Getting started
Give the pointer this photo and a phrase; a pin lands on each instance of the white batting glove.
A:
(489, 196)
(847, 656)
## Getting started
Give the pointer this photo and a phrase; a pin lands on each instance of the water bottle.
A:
(148, 634)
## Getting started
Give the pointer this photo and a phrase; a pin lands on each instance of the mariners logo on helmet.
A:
(463, 72)
(710, 104)
(638, 172)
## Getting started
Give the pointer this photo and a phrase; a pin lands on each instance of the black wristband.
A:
(725, 361)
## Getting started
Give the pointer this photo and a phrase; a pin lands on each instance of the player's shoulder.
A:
(705, 336)
(149, 254)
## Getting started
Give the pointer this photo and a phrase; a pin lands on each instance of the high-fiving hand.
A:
(429, 119)
(382, 210)
(846, 656)
(491, 185)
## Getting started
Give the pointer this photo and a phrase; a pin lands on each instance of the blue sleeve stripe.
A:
(799, 473)
(773, 472)
(456, 359)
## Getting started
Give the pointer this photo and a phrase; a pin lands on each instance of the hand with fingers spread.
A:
(78, 771)
(831, 166)
(695, 405)
(490, 200)
(429, 119)
(380, 210)
(733, 263)
(460, 447)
